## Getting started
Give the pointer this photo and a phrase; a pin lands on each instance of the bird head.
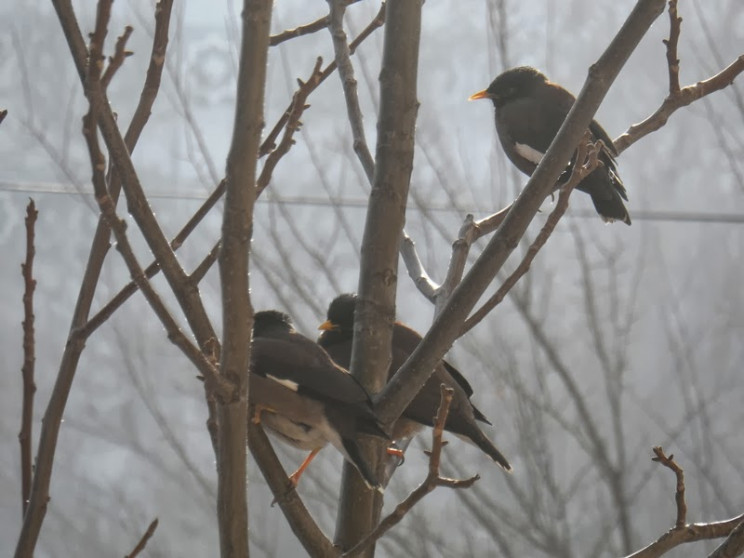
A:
(512, 84)
(271, 322)
(340, 315)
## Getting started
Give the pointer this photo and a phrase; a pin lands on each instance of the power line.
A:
(361, 203)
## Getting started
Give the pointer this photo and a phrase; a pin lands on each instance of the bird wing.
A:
(302, 366)
(408, 340)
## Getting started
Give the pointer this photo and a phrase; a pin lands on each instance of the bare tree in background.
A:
(545, 513)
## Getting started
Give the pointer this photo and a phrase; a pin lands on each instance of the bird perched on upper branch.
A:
(336, 339)
(303, 397)
(529, 112)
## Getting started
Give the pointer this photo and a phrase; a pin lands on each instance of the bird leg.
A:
(257, 410)
(399, 453)
(294, 478)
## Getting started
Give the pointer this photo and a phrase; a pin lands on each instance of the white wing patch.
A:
(529, 153)
(286, 383)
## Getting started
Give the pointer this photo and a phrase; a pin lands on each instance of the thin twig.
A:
(143, 541)
(299, 31)
(432, 480)
(587, 152)
(49, 434)
(675, 24)
(29, 356)
(425, 284)
(679, 495)
(120, 54)
(678, 97)
(270, 141)
(128, 290)
(98, 163)
(349, 83)
(294, 111)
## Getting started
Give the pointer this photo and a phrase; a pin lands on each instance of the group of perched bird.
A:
(302, 391)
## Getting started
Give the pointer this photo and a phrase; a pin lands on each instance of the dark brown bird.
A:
(529, 112)
(336, 339)
(301, 395)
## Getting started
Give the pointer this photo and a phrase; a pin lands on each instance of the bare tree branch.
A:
(678, 97)
(349, 83)
(99, 248)
(143, 541)
(684, 533)
(433, 478)
(29, 356)
(359, 508)
(268, 147)
(120, 54)
(692, 532)
(299, 31)
(679, 495)
(300, 521)
(237, 312)
(586, 152)
(403, 386)
(733, 545)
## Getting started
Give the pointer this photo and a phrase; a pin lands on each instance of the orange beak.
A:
(327, 325)
(480, 95)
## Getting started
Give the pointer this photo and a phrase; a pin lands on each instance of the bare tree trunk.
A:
(359, 508)
(237, 314)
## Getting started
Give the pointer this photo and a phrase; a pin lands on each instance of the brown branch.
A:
(206, 264)
(349, 85)
(400, 390)
(360, 508)
(587, 152)
(300, 521)
(733, 545)
(29, 358)
(120, 53)
(221, 386)
(99, 248)
(39, 498)
(678, 97)
(3, 114)
(128, 290)
(675, 23)
(692, 532)
(685, 533)
(679, 495)
(294, 113)
(432, 480)
(270, 141)
(299, 31)
(233, 259)
(143, 541)
(470, 231)
(268, 146)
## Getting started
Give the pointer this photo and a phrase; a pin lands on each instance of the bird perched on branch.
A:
(336, 339)
(529, 112)
(298, 393)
